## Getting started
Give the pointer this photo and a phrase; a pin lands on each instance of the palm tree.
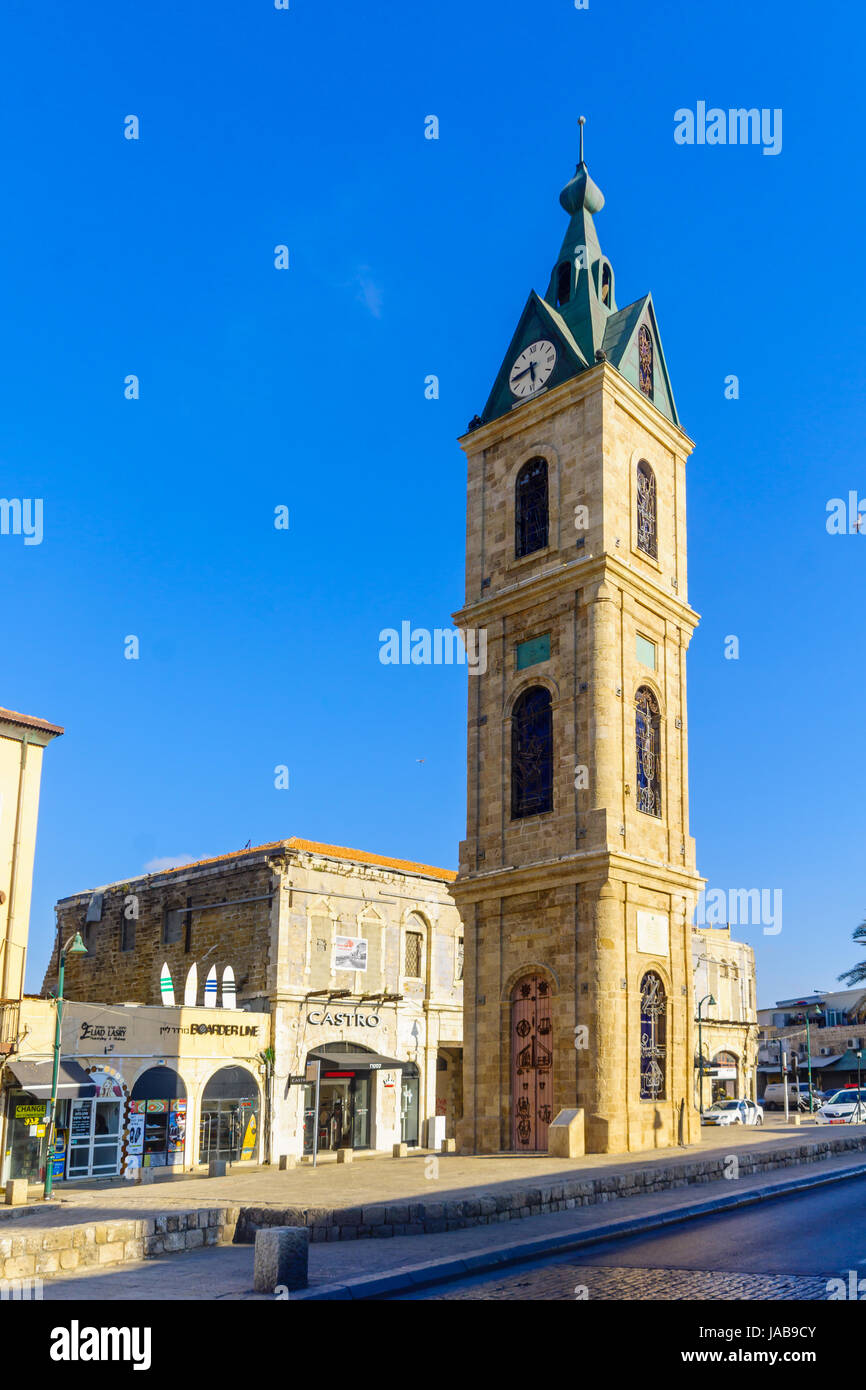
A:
(857, 974)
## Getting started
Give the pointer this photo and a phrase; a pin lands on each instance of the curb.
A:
(448, 1269)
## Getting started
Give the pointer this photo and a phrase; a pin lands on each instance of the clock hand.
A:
(530, 368)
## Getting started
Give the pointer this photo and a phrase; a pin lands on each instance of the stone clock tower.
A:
(577, 876)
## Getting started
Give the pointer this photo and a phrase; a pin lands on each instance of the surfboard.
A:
(166, 986)
(190, 989)
(229, 994)
(210, 989)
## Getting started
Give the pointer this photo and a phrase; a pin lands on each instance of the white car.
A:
(733, 1112)
(846, 1107)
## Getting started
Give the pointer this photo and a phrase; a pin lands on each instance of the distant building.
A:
(725, 970)
(836, 1032)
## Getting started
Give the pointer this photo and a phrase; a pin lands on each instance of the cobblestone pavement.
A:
(561, 1283)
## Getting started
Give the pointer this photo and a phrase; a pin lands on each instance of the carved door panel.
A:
(531, 1064)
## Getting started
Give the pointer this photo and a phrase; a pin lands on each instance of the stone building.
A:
(727, 1038)
(22, 740)
(833, 1044)
(355, 958)
(577, 878)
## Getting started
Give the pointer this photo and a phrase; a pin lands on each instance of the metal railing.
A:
(10, 1011)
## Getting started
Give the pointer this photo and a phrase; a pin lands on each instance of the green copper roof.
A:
(579, 314)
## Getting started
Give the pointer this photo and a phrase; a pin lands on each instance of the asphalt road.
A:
(787, 1248)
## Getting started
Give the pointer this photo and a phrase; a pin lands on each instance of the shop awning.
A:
(355, 1061)
(73, 1083)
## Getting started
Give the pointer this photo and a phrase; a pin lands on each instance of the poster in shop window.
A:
(248, 1147)
(135, 1132)
(350, 953)
(176, 1129)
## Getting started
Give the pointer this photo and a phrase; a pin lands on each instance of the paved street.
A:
(784, 1249)
(711, 1250)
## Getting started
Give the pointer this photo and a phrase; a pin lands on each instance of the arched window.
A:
(645, 361)
(647, 529)
(606, 286)
(563, 284)
(532, 754)
(653, 1037)
(648, 748)
(530, 508)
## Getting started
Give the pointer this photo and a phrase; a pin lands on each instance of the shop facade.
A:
(355, 960)
(139, 1087)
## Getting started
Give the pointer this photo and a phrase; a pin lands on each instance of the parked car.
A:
(798, 1096)
(845, 1107)
(733, 1112)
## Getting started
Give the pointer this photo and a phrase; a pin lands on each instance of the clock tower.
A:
(577, 876)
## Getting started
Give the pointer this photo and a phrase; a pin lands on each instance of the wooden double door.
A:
(531, 1064)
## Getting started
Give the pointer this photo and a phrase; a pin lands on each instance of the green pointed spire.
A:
(581, 286)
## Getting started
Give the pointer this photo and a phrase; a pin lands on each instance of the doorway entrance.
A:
(229, 1116)
(531, 1064)
(344, 1111)
(409, 1104)
(94, 1138)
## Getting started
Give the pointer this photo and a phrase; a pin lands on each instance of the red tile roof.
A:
(359, 856)
(11, 716)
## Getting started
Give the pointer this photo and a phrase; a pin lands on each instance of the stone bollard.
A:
(282, 1255)
(795, 1118)
(217, 1168)
(345, 1155)
(400, 1150)
(146, 1175)
(16, 1192)
(449, 1146)
(287, 1161)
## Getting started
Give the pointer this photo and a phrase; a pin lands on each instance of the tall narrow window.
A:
(532, 754)
(530, 508)
(563, 284)
(414, 954)
(653, 1037)
(647, 528)
(645, 361)
(649, 763)
(606, 286)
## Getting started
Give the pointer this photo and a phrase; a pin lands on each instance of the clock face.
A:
(532, 368)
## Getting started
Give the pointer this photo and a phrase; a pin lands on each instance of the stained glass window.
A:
(653, 1037)
(532, 754)
(645, 361)
(647, 531)
(530, 509)
(649, 763)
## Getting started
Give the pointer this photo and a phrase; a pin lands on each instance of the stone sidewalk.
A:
(382, 1179)
(226, 1272)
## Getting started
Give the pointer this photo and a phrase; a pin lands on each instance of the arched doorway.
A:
(344, 1098)
(725, 1075)
(229, 1116)
(157, 1118)
(531, 1064)
(95, 1128)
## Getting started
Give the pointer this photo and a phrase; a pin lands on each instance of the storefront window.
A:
(27, 1141)
(229, 1116)
(157, 1119)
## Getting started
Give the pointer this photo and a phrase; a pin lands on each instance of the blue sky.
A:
(306, 388)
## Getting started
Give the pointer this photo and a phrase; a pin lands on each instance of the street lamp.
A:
(819, 1014)
(707, 999)
(74, 947)
(858, 1054)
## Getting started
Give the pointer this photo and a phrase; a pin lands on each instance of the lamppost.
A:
(707, 999)
(74, 947)
(858, 1054)
(818, 1014)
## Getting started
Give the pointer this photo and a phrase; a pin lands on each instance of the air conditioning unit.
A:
(854, 1043)
(825, 1052)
